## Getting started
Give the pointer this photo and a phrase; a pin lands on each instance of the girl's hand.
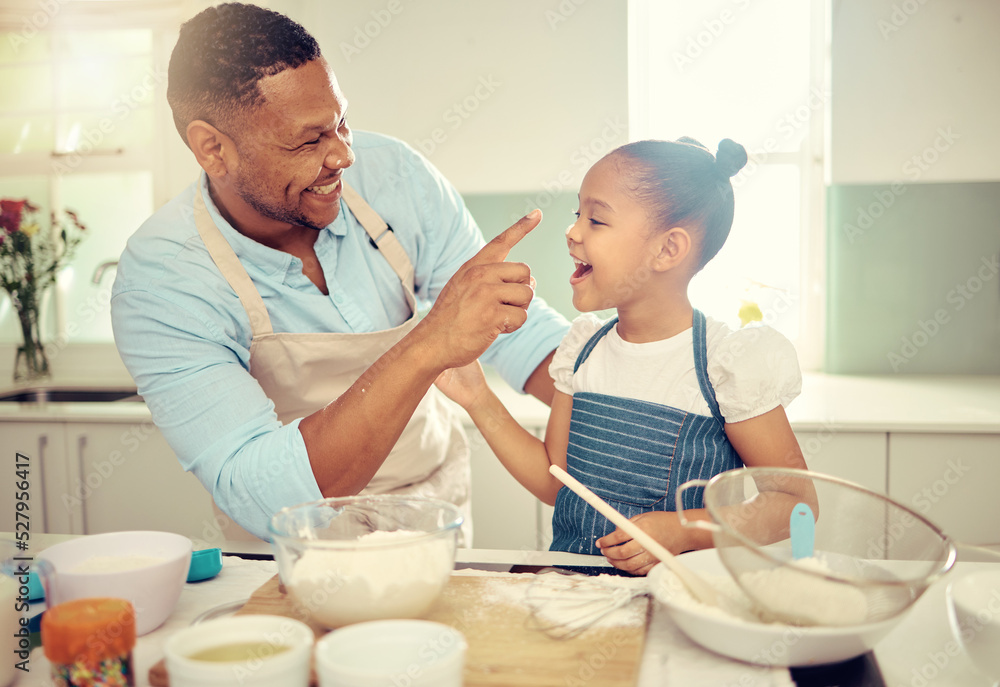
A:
(463, 385)
(626, 554)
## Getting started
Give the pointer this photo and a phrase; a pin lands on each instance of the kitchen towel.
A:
(673, 660)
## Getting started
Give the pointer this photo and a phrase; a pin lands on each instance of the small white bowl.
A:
(974, 611)
(771, 644)
(279, 659)
(389, 653)
(153, 589)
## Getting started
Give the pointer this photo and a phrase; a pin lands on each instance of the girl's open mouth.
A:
(581, 272)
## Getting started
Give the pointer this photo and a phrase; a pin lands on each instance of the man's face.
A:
(295, 148)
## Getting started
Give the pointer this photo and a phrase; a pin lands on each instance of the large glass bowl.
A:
(359, 558)
(873, 556)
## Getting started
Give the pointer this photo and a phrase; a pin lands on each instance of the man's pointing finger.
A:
(498, 249)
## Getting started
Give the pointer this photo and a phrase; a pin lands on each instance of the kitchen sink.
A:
(69, 395)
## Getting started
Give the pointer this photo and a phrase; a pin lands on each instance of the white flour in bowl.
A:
(804, 599)
(733, 601)
(392, 579)
(780, 595)
(112, 564)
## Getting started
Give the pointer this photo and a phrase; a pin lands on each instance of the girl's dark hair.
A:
(221, 54)
(682, 184)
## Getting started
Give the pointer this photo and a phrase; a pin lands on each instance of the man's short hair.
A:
(221, 55)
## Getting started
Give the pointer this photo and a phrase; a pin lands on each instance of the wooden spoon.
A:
(698, 587)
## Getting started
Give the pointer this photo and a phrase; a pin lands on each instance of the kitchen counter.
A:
(920, 651)
(958, 404)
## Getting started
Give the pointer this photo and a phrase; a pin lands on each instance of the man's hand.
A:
(485, 298)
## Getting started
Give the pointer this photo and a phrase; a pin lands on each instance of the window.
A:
(81, 125)
(753, 72)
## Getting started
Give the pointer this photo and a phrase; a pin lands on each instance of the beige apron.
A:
(302, 373)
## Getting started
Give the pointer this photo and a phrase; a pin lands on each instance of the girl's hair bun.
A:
(730, 158)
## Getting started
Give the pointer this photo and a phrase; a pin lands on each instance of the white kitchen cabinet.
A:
(124, 476)
(545, 512)
(504, 514)
(952, 479)
(858, 457)
(43, 445)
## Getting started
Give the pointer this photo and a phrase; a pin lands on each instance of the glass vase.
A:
(31, 364)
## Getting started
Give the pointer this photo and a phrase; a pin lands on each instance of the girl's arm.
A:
(525, 456)
(763, 441)
(766, 441)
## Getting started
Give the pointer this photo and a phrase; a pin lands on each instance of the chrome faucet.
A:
(101, 269)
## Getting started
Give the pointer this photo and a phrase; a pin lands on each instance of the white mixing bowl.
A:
(772, 644)
(153, 588)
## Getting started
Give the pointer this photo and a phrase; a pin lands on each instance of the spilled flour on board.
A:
(564, 606)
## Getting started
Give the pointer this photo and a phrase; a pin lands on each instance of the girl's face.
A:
(611, 242)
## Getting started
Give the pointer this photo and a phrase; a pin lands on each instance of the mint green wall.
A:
(912, 279)
(544, 249)
(912, 272)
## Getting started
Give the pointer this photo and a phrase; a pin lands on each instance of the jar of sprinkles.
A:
(89, 642)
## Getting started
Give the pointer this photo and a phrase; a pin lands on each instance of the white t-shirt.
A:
(753, 370)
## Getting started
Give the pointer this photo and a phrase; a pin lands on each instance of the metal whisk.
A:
(564, 606)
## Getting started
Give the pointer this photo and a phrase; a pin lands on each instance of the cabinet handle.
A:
(43, 442)
(81, 444)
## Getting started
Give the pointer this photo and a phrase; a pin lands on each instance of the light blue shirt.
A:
(185, 337)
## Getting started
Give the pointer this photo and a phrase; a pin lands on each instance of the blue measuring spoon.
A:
(802, 529)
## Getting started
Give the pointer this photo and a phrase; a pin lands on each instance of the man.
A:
(268, 313)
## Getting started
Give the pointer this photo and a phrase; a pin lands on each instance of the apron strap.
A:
(227, 262)
(592, 343)
(701, 364)
(698, 334)
(383, 238)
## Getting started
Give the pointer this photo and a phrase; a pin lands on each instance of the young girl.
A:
(659, 394)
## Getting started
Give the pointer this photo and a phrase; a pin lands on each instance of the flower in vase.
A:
(30, 259)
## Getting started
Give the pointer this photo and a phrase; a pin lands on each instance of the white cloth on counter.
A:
(670, 659)
(753, 370)
(239, 578)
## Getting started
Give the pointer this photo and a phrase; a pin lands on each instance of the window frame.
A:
(811, 160)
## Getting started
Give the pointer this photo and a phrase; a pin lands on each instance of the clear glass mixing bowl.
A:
(873, 556)
(358, 558)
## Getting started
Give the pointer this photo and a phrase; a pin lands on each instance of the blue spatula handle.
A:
(802, 529)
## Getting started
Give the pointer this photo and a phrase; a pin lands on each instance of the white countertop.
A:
(901, 403)
(960, 404)
(919, 651)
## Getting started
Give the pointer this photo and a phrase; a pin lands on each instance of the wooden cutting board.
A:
(505, 645)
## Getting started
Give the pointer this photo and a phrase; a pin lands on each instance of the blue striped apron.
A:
(634, 454)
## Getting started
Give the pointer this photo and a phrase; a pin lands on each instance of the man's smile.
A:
(325, 190)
